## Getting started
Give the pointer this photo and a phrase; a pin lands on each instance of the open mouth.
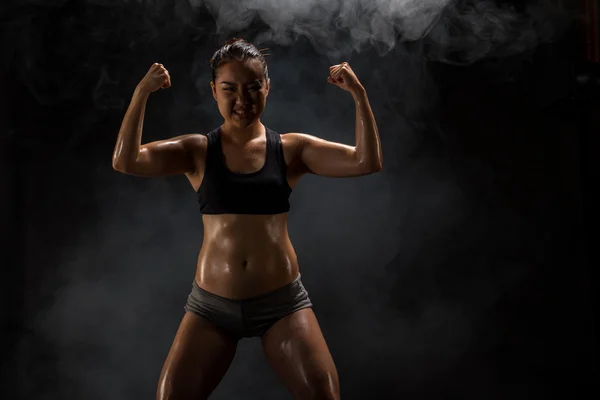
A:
(242, 113)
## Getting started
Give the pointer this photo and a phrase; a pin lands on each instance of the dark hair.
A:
(240, 50)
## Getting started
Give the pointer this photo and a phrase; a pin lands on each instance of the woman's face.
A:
(241, 91)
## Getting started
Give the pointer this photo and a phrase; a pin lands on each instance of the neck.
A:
(239, 135)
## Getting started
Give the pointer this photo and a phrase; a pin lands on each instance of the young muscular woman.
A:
(247, 282)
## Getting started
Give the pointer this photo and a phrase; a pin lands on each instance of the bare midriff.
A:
(244, 256)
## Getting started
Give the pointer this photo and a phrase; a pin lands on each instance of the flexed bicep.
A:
(172, 156)
(325, 158)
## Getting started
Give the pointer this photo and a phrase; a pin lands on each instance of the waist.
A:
(238, 281)
(244, 256)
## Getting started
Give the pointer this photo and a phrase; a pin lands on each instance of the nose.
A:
(242, 98)
(241, 101)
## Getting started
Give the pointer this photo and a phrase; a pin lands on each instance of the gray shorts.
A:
(249, 317)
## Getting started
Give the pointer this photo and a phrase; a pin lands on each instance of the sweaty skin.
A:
(247, 255)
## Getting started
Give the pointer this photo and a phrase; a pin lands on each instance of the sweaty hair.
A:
(240, 50)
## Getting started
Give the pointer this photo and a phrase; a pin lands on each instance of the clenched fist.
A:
(157, 78)
(342, 75)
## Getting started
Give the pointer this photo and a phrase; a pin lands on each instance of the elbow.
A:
(119, 166)
(378, 163)
(378, 166)
(116, 166)
(122, 164)
(372, 167)
(370, 164)
(375, 169)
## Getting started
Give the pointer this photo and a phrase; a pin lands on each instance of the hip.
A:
(249, 317)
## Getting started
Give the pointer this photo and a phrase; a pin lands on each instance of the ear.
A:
(214, 90)
(268, 85)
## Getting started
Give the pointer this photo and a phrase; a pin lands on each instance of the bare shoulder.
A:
(194, 141)
(294, 141)
(287, 139)
(292, 144)
(196, 145)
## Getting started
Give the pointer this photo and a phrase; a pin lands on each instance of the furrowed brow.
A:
(255, 82)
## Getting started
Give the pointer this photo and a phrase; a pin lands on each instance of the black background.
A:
(465, 269)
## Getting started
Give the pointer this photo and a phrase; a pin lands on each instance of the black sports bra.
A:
(265, 191)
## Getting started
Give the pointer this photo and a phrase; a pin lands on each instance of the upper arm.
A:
(177, 155)
(325, 158)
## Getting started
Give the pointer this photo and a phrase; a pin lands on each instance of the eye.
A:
(229, 89)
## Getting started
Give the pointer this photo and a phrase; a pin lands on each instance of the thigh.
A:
(197, 361)
(296, 349)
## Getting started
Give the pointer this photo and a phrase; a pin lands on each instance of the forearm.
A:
(368, 145)
(129, 140)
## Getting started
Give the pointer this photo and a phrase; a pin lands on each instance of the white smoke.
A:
(456, 31)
